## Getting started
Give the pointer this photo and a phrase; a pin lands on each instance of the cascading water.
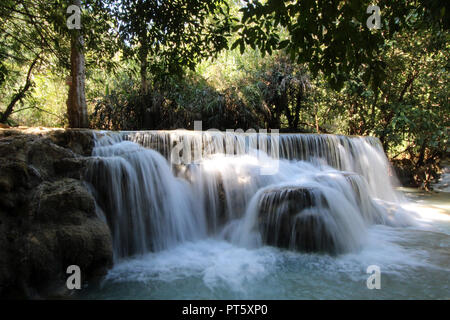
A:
(362, 155)
(319, 196)
(201, 215)
(147, 208)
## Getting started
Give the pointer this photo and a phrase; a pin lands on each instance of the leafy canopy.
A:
(332, 36)
(176, 34)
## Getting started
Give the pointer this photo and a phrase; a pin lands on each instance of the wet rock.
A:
(16, 179)
(63, 201)
(50, 249)
(80, 141)
(48, 218)
(14, 174)
(43, 154)
(15, 146)
(71, 167)
(295, 218)
(6, 272)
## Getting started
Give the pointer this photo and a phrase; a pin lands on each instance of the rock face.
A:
(47, 216)
(290, 218)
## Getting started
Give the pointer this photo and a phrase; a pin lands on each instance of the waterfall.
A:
(362, 155)
(146, 207)
(157, 189)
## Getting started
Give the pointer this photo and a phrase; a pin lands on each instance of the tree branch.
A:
(40, 109)
(19, 95)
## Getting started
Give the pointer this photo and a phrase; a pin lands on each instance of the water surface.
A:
(414, 263)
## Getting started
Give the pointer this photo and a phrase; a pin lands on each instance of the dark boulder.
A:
(80, 141)
(296, 218)
(48, 217)
(43, 154)
(63, 201)
(65, 231)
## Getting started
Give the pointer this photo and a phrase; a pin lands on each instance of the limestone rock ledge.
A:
(47, 215)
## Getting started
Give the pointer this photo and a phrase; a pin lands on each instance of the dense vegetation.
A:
(301, 66)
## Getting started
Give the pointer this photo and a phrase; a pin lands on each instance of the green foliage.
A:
(173, 34)
(409, 110)
(300, 66)
(331, 36)
(34, 36)
(175, 105)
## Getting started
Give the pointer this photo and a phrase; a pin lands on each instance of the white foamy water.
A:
(215, 269)
(209, 228)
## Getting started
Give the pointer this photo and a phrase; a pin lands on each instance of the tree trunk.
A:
(143, 54)
(76, 102)
(351, 121)
(298, 104)
(420, 160)
(146, 122)
(19, 95)
(316, 118)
